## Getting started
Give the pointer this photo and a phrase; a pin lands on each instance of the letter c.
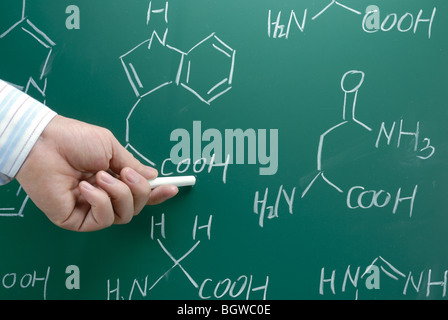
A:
(349, 196)
(202, 288)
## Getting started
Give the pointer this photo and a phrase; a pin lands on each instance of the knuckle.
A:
(123, 191)
(107, 221)
(122, 218)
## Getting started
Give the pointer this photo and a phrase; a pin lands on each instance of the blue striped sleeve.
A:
(22, 120)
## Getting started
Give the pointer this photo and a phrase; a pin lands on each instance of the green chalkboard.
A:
(316, 130)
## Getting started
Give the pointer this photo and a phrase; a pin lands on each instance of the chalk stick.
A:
(181, 181)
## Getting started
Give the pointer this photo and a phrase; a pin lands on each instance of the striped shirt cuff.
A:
(22, 120)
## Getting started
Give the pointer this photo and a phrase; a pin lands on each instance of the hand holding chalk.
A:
(183, 181)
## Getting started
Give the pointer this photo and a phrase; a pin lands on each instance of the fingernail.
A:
(132, 176)
(86, 186)
(107, 178)
(152, 173)
(174, 190)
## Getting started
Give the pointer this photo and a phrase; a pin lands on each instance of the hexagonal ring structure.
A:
(210, 65)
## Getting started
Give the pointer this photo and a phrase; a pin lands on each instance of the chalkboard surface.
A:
(316, 130)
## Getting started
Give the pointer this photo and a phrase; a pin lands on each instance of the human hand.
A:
(84, 180)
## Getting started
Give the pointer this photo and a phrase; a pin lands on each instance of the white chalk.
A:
(182, 181)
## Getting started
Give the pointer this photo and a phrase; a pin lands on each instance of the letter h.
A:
(206, 226)
(164, 11)
(161, 224)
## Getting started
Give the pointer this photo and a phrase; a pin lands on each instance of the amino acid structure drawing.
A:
(347, 117)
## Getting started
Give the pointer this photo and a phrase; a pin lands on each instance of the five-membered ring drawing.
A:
(29, 41)
(206, 70)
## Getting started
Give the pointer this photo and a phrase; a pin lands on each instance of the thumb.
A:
(122, 158)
